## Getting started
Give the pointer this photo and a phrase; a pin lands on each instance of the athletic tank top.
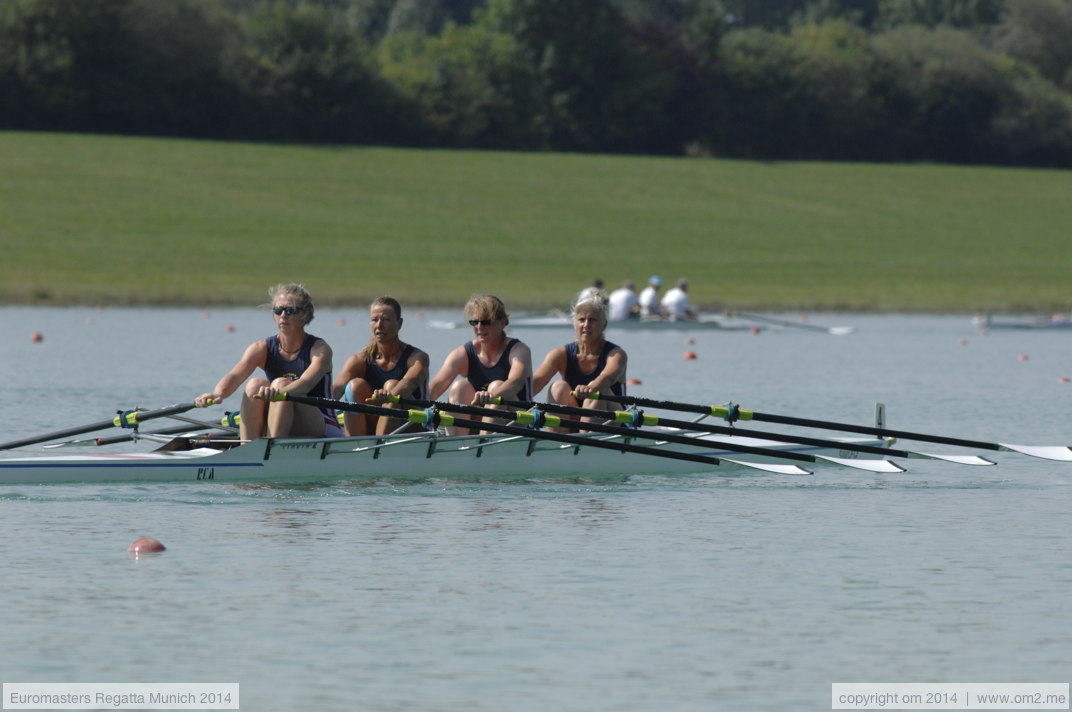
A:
(480, 375)
(377, 376)
(576, 377)
(276, 366)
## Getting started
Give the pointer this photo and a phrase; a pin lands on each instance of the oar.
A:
(627, 417)
(525, 417)
(125, 419)
(1047, 452)
(175, 430)
(835, 330)
(435, 418)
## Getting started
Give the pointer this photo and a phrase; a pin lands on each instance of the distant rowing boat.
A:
(738, 322)
(1056, 322)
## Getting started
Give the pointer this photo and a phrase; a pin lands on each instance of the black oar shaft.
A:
(627, 432)
(507, 429)
(130, 418)
(721, 411)
(718, 429)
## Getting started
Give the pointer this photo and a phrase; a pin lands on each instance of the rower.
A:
(386, 367)
(293, 362)
(491, 365)
(588, 365)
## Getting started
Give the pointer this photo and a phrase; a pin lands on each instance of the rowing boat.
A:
(986, 323)
(420, 456)
(563, 321)
(737, 321)
(610, 445)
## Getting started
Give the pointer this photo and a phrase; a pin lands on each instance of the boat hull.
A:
(421, 457)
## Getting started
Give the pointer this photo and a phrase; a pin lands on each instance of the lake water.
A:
(743, 592)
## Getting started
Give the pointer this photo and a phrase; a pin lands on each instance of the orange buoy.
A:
(754, 330)
(690, 355)
(634, 381)
(230, 329)
(1022, 357)
(1063, 379)
(146, 545)
(37, 337)
(342, 322)
(206, 314)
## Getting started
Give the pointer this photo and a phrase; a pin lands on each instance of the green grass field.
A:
(93, 219)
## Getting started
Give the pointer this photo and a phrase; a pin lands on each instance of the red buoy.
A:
(146, 545)
(690, 355)
(37, 337)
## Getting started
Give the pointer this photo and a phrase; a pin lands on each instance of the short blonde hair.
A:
(302, 299)
(487, 306)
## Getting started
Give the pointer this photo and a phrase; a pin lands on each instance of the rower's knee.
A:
(462, 392)
(254, 386)
(561, 393)
(357, 390)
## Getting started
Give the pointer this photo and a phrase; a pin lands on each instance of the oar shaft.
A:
(416, 416)
(625, 417)
(723, 411)
(129, 418)
(626, 432)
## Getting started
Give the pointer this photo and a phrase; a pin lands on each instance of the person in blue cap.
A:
(649, 298)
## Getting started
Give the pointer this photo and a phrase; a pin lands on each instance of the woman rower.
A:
(293, 362)
(491, 365)
(589, 365)
(386, 367)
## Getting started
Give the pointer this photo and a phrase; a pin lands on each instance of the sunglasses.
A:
(482, 322)
(291, 311)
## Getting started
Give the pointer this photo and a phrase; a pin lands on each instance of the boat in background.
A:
(733, 321)
(1057, 321)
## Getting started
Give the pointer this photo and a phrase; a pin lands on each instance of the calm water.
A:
(749, 592)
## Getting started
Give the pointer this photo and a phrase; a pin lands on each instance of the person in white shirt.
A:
(624, 303)
(675, 302)
(649, 298)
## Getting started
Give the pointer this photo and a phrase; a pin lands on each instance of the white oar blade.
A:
(1046, 452)
(767, 467)
(957, 459)
(842, 330)
(869, 465)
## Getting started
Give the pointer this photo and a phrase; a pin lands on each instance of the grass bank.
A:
(93, 219)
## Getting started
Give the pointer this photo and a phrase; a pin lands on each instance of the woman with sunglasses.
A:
(491, 365)
(588, 365)
(386, 367)
(293, 362)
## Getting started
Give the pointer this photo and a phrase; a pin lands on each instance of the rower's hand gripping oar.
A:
(123, 419)
(733, 412)
(434, 417)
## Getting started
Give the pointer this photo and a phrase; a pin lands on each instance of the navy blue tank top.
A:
(276, 366)
(377, 376)
(480, 375)
(576, 377)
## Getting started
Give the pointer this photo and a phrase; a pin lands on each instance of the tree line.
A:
(965, 81)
